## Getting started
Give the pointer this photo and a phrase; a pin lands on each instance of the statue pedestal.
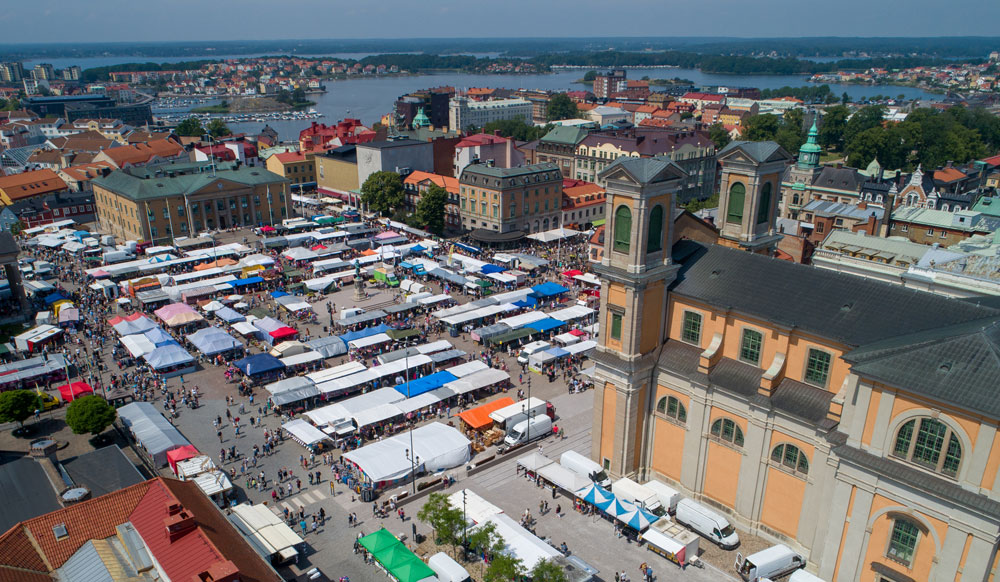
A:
(359, 290)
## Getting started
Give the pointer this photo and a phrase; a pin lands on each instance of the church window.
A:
(672, 407)
(750, 347)
(922, 442)
(654, 238)
(903, 541)
(691, 332)
(737, 196)
(790, 457)
(727, 430)
(818, 367)
(623, 229)
(764, 205)
(616, 326)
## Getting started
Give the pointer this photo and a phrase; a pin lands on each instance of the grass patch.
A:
(211, 109)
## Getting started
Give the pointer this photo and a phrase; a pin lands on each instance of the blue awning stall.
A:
(49, 300)
(527, 302)
(491, 268)
(362, 333)
(246, 282)
(468, 248)
(548, 289)
(258, 364)
(546, 324)
(425, 384)
(276, 294)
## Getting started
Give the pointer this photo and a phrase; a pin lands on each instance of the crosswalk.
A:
(302, 499)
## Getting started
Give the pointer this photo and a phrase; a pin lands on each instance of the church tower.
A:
(748, 194)
(635, 273)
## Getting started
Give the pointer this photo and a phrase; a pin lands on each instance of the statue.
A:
(359, 283)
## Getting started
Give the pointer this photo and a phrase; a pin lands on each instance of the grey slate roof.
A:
(103, 471)
(498, 172)
(846, 309)
(736, 376)
(846, 179)
(828, 208)
(27, 492)
(567, 135)
(680, 358)
(958, 364)
(759, 151)
(801, 399)
(644, 170)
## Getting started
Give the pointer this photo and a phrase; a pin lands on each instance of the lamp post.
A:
(465, 524)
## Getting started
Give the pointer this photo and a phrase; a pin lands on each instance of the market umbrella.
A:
(594, 494)
(638, 519)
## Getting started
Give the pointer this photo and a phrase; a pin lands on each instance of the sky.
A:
(201, 20)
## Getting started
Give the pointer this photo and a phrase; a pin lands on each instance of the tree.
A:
(589, 76)
(718, 134)
(562, 107)
(791, 134)
(190, 127)
(831, 132)
(845, 98)
(90, 414)
(298, 95)
(446, 520)
(696, 205)
(430, 209)
(762, 127)
(504, 568)
(863, 120)
(547, 571)
(17, 405)
(383, 192)
(218, 128)
(515, 128)
(16, 228)
(484, 540)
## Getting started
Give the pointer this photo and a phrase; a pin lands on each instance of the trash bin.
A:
(367, 495)
(453, 331)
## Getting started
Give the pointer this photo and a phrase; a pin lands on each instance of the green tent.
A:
(398, 334)
(260, 312)
(511, 336)
(395, 557)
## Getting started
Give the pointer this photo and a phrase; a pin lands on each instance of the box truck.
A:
(628, 490)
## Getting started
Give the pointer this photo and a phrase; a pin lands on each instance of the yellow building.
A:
(337, 171)
(156, 203)
(853, 420)
(299, 168)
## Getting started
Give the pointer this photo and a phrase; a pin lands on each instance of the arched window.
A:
(944, 207)
(623, 229)
(672, 407)
(930, 443)
(654, 236)
(903, 541)
(790, 457)
(727, 430)
(795, 199)
(737, 195)
(764, 205)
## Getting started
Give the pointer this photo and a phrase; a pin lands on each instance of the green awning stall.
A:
(398, 334)
(511, 336)
(396, 558)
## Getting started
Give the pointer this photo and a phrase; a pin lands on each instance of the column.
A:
(827, 546)
(857, 536)
(882, 418)
(16, 287)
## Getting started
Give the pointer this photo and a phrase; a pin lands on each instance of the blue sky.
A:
(185, 20)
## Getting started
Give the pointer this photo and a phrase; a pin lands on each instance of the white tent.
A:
(151, 430)
(190, 468)
(477, 380)
(213, 482)
(138, 345)
(246, 328)
(336, 372)
(520, 543)
(571, 313)
(436, 446)
(265, 531)
(431, 300)
(435, 346)
(212, 340)
(372, 340)
(303, 358)
(582, 347)
(554, 234)
(288, 384)
(468, 368)
(303, 433)
(519, 321)
(475, 507)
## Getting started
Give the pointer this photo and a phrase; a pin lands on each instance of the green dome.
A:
(811, 147)
(421, 119)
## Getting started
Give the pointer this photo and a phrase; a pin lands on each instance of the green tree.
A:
(762, 127)
(718, 134)
(298, 95)
(190, 127)
(16, 228)
(790, 134)
(218, 128)
(863, 120)
(90, 414)
(845, 98)
(515, 128)
(547, 571)
(562, 107)
(484, 540)
(589, 76)
(504, 568)
(383, 192)
(17, 405)
(831, 130)
(446, 520)
(696, 205)
(430, 210)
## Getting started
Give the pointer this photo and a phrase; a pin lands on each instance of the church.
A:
(852, 420)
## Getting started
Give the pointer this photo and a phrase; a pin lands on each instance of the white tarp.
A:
(303, 432)
(372, 374)
(475, 507)
(138, 345)
(336, 372)
(436, 445)
(288, 384)
(477, 380)
(588, 278)
(213, 482)
(265, 531)
(563, 478)
(571, 313)
(346, 409)
(190, 468)
(153, 432)
(519, 321)
(303, 358)
(375, 414)
(435, 346)
(467, 368)
(372, 340)
(434, 299)
(582, 347)
(246, 328)
(567, 338)
(520, 543)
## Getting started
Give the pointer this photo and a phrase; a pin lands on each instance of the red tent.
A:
(577, 332)
(181, 454)
(267, 228)
(572, 273)
(71, 392)
(318, 248)
(283, 333)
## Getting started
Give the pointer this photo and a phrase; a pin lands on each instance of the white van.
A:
(770, 563)
(350, 312)
(528, 430)
(578, 463)
(668, 496)
(628, 490)
(448, 570)
(803, 576)
(707, 523)
(532, 348)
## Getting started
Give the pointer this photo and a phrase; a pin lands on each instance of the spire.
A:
(810, 151)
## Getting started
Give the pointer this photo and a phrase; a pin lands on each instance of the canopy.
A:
(245, 282)
(283, 333)
(399, 562)
(638, 519)
(167, 356)
(534, 461)
(135, 323)
(615, 507)
(177, 314)
(572, 273)
(50, 299)
(479, 416)
(180, 454)
(594, 494)
(329, 346)
(69, 315)
(462, 370)
(491, 268)
(229, 315)
(296, 395)
(265, 531)
(276, 294)
(511, 336)
(259, 364)
(70, 392)
(212, 340)
(554, 234)
(303, 432)
(425, 384)
(545, 324)
(154, 433)
(372, 340)
(548, 289)
(353, 335)
(138, 345)
(159, 338)
(288, 384)
(212, 306)
(437, 446)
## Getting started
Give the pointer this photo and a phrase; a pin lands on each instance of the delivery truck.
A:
(387, 276)
(578, 463)
(708, 523)
(628, 490)
(773, 562)
(528, 430)
(512, 414)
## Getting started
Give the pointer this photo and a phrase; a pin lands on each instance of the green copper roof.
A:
(149, 182)
(421, 119)
(811, 146)
(566, 135)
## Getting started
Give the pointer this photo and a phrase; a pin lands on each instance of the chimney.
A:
(496, 132)
(221, 571)
(179, 522)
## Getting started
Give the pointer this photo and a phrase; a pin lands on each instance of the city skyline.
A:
(256, 19)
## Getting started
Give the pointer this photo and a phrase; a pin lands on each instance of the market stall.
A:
(154, 433)
(170, 360)
(212, 341)
(435, 447)
(304, 433)
(266, 532)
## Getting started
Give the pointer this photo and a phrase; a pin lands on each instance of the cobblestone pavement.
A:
(330, 546)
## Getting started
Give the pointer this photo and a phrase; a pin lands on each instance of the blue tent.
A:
(527, 302)
(425, 384)
(276, 294)
(159, 337)
(417, 249)
(468, 248)
(52, 298)
(548, 289)
(557, 351)
(546, 324)
(247, 281)
(167, 356)
(594, 494)
(229, 315)
(491, 268)
(259, 364)
(406, 265)
(368, 331)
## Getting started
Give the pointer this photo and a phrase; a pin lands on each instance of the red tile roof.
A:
(948, 175)
(289, 157)
(447, 182)
(26, 184)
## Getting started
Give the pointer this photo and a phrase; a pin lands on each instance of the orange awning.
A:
(479, 416)
(367, 253)
(225, 262)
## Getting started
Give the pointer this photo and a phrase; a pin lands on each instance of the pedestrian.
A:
(220, 436)
(559, 510)
(304, 527)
